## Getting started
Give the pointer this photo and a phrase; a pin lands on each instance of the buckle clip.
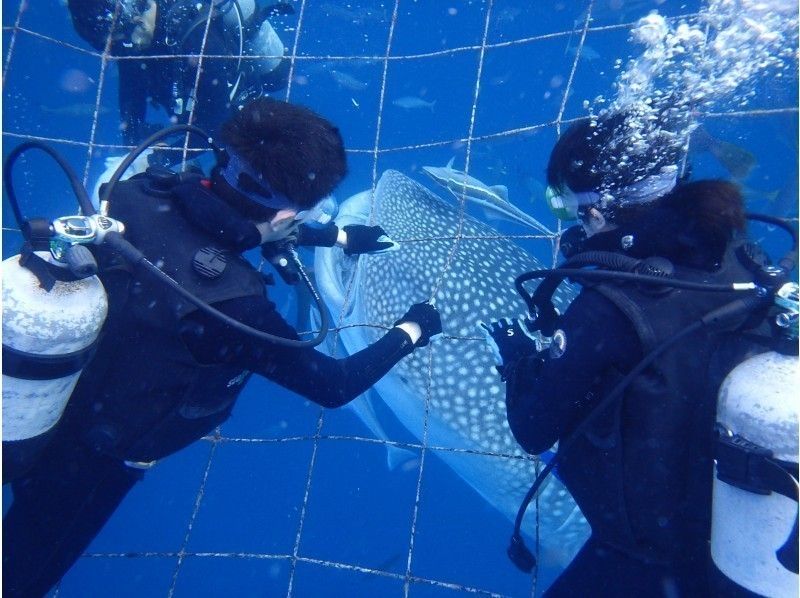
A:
(740, 462)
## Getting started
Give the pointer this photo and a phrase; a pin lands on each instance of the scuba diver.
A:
(242, 56)
(188, 323)
(626, 380)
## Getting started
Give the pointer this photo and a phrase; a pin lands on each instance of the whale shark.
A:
(468, 270)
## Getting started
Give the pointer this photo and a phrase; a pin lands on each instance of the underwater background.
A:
(288, 499)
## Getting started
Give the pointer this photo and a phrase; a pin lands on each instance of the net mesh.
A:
(401, 573)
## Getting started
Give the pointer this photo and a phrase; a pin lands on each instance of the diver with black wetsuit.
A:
(145, 34)
(166, 373)
(641, 467)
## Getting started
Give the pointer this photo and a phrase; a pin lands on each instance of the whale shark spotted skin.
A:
(470, 281)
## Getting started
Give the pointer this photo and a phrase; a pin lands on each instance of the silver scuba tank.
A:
(755, 509)
(48, 335)
(230, 11)
(266, 43)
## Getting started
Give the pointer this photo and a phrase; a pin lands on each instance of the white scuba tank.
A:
(759, 402)
(229, 12)
(266, 43)
(61, 322)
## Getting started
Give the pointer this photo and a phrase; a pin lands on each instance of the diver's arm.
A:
(546, 396)
(354, 239)
(326, 381)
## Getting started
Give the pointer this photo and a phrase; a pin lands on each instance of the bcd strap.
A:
(748, 466)
(46, 273)
(31, 366)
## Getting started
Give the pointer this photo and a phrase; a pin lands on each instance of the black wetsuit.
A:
(180, 30)
(164, 376)
(642, 473)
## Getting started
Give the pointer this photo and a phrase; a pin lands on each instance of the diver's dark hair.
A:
(596, 155)
(711, 210)
(692, 225)
(300, 153)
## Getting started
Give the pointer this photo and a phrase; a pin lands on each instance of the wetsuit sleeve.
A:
(326, 381)
(317, 237)
(546, 397)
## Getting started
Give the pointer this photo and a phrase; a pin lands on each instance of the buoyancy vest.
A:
(642, 473)
(144, 395)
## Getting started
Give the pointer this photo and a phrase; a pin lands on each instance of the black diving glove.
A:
(426, 316)
(367, 239)
(511, 339)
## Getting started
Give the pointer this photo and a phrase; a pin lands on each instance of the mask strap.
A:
(264, 195)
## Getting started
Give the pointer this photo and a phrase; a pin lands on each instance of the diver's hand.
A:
(359, 238)
(426, 318)
(510, 339)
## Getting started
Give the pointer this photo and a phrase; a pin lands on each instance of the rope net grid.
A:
(273, 540)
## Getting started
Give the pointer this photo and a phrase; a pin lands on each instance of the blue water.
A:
(271, 511)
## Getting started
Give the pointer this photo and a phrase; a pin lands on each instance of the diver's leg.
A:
(599, 570)
(58, 508)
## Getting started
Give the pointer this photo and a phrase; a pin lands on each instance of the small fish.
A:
(76, 81)
(74, 110)
(347, 81)
(413, 102)
(356, 104)
(736, 160)
(492, 199)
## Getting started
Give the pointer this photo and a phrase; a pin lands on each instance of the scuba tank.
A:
(266, 44)
(49, 332)
(754, 515)
(54, 307)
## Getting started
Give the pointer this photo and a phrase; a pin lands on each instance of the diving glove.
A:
(426, 316)
(367, 239)
(511, 339)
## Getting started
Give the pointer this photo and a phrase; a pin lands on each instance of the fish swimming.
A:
(412, 103)
(347, 81)
(492, 199)
(735, 159)
(454, 380)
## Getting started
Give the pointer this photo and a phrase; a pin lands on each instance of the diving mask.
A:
(568, 205)
(242, 177)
